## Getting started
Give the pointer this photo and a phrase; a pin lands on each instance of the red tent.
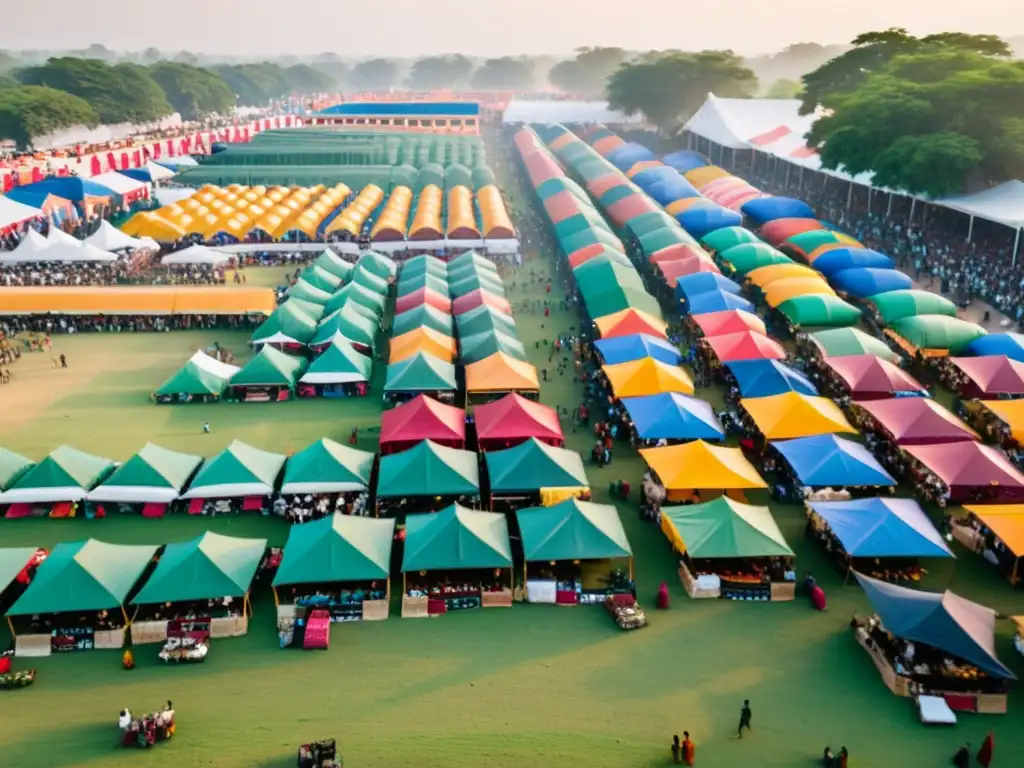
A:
(990, 376)
(729, 321)
(973, 472)
(677, 252)
(137, 159)
(423, 296)
(745, 345)
(673, 270)
(869, 377)
(628, 208)
(422, 418)
(514, 419)
(779, 231)
(585, 254)
(917, 421)
(480, 298)
(561, 206)
(602, 184)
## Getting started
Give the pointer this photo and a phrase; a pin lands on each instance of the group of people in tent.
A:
(302, 508)
(70, 324)
(126, 270)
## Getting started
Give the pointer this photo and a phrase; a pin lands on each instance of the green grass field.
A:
(530, 686)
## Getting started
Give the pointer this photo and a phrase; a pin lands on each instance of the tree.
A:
(195, 93)
(929, 122)
(784, 89)
(255, 85)
(440, 72)
(149, 101)
(668, 89)
(30, 111)
(7, 83)
(374, 75)
(872, 51)
(587, 74)
(152, 56)
(504, 74)
(304, 79)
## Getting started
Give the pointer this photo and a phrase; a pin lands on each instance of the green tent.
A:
(471, 260)
(473, 349)
(331, 262)
(413, 283)
(608, 298)
(201, 375)
(611, 255)
(938, 332)
(286, 325)
(270, 368)
(572, 530)
(727, 237)
(821, 310)
(576, 223)
(12, 466)
(423, 316)
(617, 193)
(420, 373)
(321, 278)
(840, 342)
(238, 470)
(357, 294)
(12, 562)
(84, 576)
(724, 528)
(601, 269)
(484, 319)
(339, 364)
(336, 549)
(456, 538)
(153, 475)
(311, 308)
(308, 292)
(66, 474)
(592, 236)
(327, 467)
(896, 305)
(428, 469)
(473, 281)
(649, 222)
(377, 264)
(749, 256)
(424, 264)
(553, 186)
(534, 465)
(211, 566)
(364, 277)
(805, 243)
(350, 323)
(654, 241)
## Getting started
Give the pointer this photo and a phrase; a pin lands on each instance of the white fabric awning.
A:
(77, 253)
(12, 212)
(110, 238)
(133, 494)
(196, 254)
(228, 491)
(212, 365)
(1003, 204)
(30, 248)
(60, 236)
(119, 183)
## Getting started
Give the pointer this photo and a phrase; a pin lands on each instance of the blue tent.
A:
(716, 301)
(951, 623)
(840, 259)
(673, 416)
(699, 220)
(70, 188)
(669, 190)
(650, 176)
(765, 209)
(177, 162)
(826, 460)
(764, 378)
(623, 349)
(863, 282)
(685, 160)
(1009, 344)
(882, 528)
(690, 286)
(627, 155)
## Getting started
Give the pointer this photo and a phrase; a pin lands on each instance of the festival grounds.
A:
(530, 686)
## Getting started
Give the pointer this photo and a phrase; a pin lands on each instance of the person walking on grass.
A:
(745, 715)
(63, 361)
(206, 427)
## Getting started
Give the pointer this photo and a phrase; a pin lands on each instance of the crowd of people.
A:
(302, 508)
(71, 324)
(145, 731)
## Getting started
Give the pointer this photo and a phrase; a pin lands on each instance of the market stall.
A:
(513, 419)
(426, 476)
(624, 349)
(56, 485)
(202, 379)
(825, 466)
(422, 418)
(868, 377)
(533, 472)
(992, 376)
(647, 376)
(628, 322)
(348, 323)
(499, 374)
(724, 322)
(913, 421)
(574, 552)
(717, 351)
(148, 483)
(697, 471)
(672, 417)
(764, 378)
(840, 342)
(270, 376)
(929, 643)
(75, 601)
(422, 340)
(996, 532)
(423, 316)
(238, 479)
(421, 374)
(789, 415)
(1002, 422)
(730, 550)
(964, 472)
(324, 478)
(340, 565)
(455, 559)
(338, 371)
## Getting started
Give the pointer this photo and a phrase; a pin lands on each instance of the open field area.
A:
(531, 686)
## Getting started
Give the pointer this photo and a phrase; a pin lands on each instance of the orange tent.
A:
(501, 373)
(422, 339)
(162, 300)
(629, 321)
(765, 276)
(679, 251)
(791, 287)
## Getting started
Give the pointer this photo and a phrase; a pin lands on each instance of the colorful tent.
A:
(746, 257)
(701, 466)
(211, 566)
(336, 549)
(13, 560)
(788, 415)
(647, 376)
(327, 466)
(423, 296)
(572, 530)
(484, 319)
(332, 263)
(689, 286)
(991, 376)
(532, 466)
(781, 230)
(303, 289)
(863, 282)
(270, 368)
(423, 316)
(340, 363)
(867, 377)
(968, 468)
(948, 622)
(482, 345)
(420, 373)
(424, 264)
(422, 340)
(623, 349)
(819, 310)
(805, 243)
(882, 528)
(673, 416)
(824, 461)
(629, 322)
(66, 474)
(729, 237)
(411, 283)
(765, 378)
(501, 373)
(422, 418)
(745, 345)
(476, 281)
(840, 342)
(357, 294)
(1005, 521)
(717, 301)
(938, 332)
(729, 321)
(153, 475)
(377, 264)
(896, 305)
(836, 260)
(428, 469)
(724, 528)
(1011, 413)
(480, 298)
(471, 260)
(456, 538)
(12, 466)
(201, 375)
(239, 470)
(917, 421)
(765, 276)
(783, 290)
(350, 324)
(513, 419)
(1009, 344)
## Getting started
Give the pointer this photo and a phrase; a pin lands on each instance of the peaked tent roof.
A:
(1006, 521)
(647, 376)
(533, 465)
(1003, 203)
(154, 474)
(286, 324)
(456, 538)
(350, 323)
(270, 367)
(673, 416)
(336, 549)
(969, 464)
(12, 562)
(329, 261)
(483, 319)
(942, 620)
(12, 466)
(84, 576)
(67, 474)
(993, 374)
(729, 321)
(424, 316)
(918, 420)
(513, 417)
(238, 470)
(873, 375)
(338, 364)
(201, 375)
(428, 469)
(501, 373)
(211, 566)
(745, 345)
(724, 528)
(420, 373)
(423, 418)
(572, 530)
(623, 349)
(838, 342)
(794, 415)
(701, 466)
(327, 466)
(764, 378)
(883, 528)
(628, 322)
(480, 346)
(821, 461)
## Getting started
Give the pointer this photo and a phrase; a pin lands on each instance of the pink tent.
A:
(990, 376)
(917, 421)
(973, 472)
(422, 418)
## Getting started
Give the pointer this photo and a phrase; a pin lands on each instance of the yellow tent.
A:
(159, 229)
(493, 214)
(792, 414)
(678, 206)
(422, 339)
(763, 276)
(647, 376)
(702, 466)
(791, 287)
(845, 241)
(1006, 521)
(501, 373)
(704, 175)
(1011, 413)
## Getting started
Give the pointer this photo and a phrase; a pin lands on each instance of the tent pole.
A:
(10, 623)
(124, 613)
(888, 208)
(871, 193)
(970, 229)
(913, 205)
(789, 167)
(1016, 244)
(277, 602)
(849, 196)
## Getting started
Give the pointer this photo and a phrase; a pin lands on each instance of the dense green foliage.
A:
(440, 72)
(373, 75)
(784, 89)
(192, 91)
(504, 74)
(29, 111)
(587, 73)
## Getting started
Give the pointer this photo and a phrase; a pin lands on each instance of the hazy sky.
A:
(480, 27)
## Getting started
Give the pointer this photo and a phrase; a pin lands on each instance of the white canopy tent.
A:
(110, 238)
(77, 253)
(1003, 204)
(59, 236)
(558, 111)
(13, 213)
(196, 254)
(30, 248)
(119, 183)
(158, 172)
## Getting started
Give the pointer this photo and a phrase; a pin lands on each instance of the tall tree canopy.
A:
(784, 89)
(254, 85)
(373, 75)
(30, 111)
(587, 74)
(929, 122)
(505, 74)
(193, 92)
(440, 72)
(668, 88)
(307, 80)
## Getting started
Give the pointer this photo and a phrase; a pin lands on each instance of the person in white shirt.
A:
(125, 720)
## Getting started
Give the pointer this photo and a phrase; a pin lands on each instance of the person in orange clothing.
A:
(689, 751)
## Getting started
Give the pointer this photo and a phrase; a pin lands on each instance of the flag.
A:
(985, 753)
